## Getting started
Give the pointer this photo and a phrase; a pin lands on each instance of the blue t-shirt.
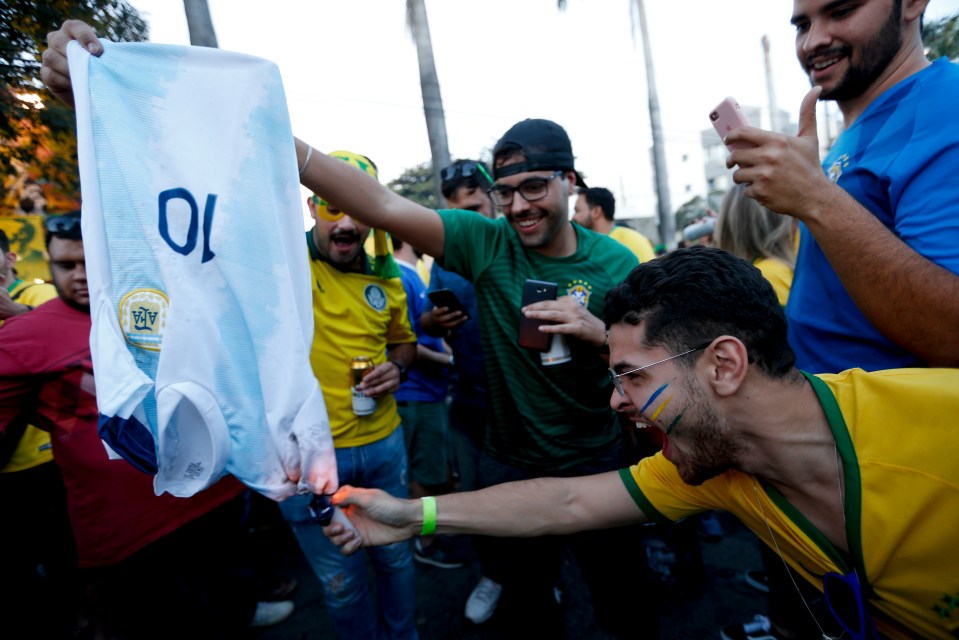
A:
(469, 382)
(427, 381)
(900, 160)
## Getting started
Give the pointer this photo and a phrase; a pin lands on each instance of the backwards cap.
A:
(544, 144)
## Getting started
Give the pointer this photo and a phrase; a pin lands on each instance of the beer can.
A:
(363, 405)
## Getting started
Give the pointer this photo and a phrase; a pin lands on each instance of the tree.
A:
(430, 88)
(417, 184)
(37, 133)
(200, 23)
(941, 37)
(667, 229)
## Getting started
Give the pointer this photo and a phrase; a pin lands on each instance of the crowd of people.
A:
(798, 374)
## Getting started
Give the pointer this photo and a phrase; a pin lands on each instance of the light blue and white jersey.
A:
(199, 281)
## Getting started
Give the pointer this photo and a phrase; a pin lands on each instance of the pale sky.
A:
(352, 81)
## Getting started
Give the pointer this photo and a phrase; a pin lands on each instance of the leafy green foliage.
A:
(39, 135)
(416, 184)
(941, 37)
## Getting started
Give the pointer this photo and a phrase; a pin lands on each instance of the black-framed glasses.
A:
(618, 384)
(63, 225)
(466, 170)
(843, 595)
(531, 190)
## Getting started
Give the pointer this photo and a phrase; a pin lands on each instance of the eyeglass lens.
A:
(531, 190)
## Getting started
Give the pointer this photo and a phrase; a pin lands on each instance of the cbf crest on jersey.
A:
(375, 296)
(143, 318)
(835, 171)
(580, 290)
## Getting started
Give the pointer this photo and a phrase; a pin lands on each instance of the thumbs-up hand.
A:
(783, 173)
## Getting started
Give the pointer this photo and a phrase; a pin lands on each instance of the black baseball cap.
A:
(544, 144)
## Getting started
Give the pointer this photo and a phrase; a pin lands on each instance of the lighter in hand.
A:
(325, 512)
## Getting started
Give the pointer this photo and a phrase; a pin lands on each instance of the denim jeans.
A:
(349, 600)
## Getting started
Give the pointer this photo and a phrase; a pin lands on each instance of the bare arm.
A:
(908, 298)
(425, 355)
(345, 187)
(9, 307)
(351, 190)
(544, 506)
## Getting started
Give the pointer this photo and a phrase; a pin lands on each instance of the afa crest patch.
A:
(375, 296)
(143, 317)
(580, 290)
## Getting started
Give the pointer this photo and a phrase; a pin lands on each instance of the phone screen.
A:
(446, 298)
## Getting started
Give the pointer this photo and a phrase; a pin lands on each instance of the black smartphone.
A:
(529, 334)
(446, 298)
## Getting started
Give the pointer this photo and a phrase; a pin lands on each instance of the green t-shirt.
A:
(543, 418)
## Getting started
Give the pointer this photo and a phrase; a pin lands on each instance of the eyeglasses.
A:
(65, 225)
(466, 170)
(532, 190)
(844, 596)
(323, 210)
(618, 384)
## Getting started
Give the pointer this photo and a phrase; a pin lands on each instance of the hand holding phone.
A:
(529, 334)
(728, 116)
(446, 298)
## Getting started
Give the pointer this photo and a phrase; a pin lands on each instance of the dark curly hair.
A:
(691, 296)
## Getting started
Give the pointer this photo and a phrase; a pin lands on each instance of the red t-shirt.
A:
(46, 379)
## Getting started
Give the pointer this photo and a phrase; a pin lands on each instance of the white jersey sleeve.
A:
(199, 278)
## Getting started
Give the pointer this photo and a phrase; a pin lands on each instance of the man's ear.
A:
(312, 207)
(913, 9)
(727, 360)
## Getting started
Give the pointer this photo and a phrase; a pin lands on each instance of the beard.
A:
(875, 57)
(713, 452)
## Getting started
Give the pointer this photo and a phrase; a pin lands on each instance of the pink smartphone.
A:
(728, 115)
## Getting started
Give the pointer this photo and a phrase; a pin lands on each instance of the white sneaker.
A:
(759, 629)
(270, 613)
(482, 602)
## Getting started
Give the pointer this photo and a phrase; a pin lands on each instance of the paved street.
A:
(442, 593)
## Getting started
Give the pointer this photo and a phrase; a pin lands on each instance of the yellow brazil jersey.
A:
(634, 241)
(354, 314)
(32, 293)
(34, 446)
(896, 433)
(779, 274)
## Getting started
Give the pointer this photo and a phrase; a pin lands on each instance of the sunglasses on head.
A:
(466, 170)
(64, 225)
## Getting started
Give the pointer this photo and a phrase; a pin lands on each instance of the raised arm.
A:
(544, 506)
(908, 298)
(346, 188)
(351, 190)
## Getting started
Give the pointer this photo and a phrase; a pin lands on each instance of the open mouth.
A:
(821, 63)
(344, 241)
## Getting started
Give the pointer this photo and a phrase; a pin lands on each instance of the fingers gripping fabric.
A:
(199, 283)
